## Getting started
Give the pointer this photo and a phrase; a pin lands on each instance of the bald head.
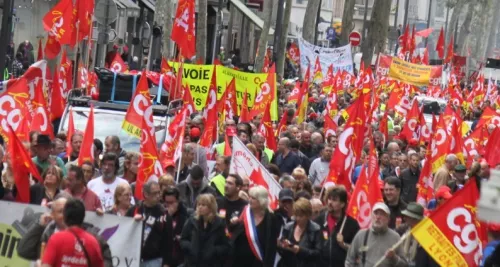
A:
(393, 147)
(317, 138)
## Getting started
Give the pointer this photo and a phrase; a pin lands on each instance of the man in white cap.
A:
(372, 244)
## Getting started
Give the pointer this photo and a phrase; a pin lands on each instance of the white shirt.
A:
(106, 192)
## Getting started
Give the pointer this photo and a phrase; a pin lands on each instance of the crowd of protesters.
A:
(193, 216)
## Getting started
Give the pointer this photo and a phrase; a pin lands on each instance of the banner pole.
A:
(395, 246)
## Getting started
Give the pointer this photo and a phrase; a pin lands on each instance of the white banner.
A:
(123, 234)
(243, 163)
(340, 57)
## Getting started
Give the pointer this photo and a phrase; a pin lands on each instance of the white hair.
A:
(451, 157)
(260, 193)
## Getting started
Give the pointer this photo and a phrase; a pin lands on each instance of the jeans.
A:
(152, 263)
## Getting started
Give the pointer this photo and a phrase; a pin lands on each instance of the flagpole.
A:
(395, 246)
(89, 48)
(75, 67)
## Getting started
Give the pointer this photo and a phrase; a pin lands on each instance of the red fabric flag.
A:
(84, 9)
(330, 127)
(15, 99)
(140, 108)
(266, 129)
(425, 184)
(230, 104)
(282, 124)
(454, 228)
(409, 130)
(318, 72)
(171, 150)
(41, 119)
(52, 47)
(187, 100)
(57, 100)
(440, 44)
(348, 149)
(492, 153)
(65, 74)
(23, 165)
(404, 39)
(449, 51)
(71, 131)
(118, 65)
(227, 146)
(244, 113)
(441, 143)
(266, 93)
(183, 30)
(23, 130)
(265, 66)
(39, 55)
(83, 76)
(383, 126)
(328, 80)
(210, 113)
(257, 178)
(425, 59)
(150, 166)
(164, 66)
(59, 21)
(87, 148)
(331, 105)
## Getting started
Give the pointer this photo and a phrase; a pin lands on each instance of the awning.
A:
(249, 14)
(126, 4)
(150, 4)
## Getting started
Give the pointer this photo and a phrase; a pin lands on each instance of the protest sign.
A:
(415, 74)
(122, 234)
(340, 58)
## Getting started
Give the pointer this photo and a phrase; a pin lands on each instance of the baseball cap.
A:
(381, 206)
(231, 131)
(460, 168)
(443, 192)
(286, 194)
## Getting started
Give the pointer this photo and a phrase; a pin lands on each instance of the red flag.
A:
(183, 30)
(492, 153)
(425, 59)
(227, 146)
(440, 44)
(150, 166)
(282, 123)
(39, 55)
(87, 148)
(140, 108)
(84, 9)
(15, 100)
(265, 66)
(257, 178)
(164, 66)
(329, 80)
(230, 104)
(41, 119)
(330, 127)
(425, 184)
(83, 76)
(404, 39)
(58, 21)
(71, 131)
(266, 93)
(318, 73)
(449, 51)
(244, 113)
(118, 65)
(409, 130)
(441, 140)
(57, 101)
(266, 129)
(23, 130)
(209, 135)
(65, 74)
(187, 100)
(52, 47)
(23, 165)
(454, 228)
(171, 149)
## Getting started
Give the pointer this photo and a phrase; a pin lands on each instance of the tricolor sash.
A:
(251, 232)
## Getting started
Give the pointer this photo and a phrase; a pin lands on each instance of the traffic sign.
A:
(106, 12)
(330, 33)
(355, 38)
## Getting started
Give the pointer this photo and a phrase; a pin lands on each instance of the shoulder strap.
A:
(83, 248)
(365, 241)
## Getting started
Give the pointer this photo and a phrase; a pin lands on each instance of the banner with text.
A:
(340, 57)
(415, 74)
(199, 76)
(122, 234)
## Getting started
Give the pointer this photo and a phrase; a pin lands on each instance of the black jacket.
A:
(179, 219)
(332, 254)
(310, 246)
(204, 247)
(157, 232)
(396, 218)
(409, 180)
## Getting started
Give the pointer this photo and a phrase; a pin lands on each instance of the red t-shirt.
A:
(64, 250)
(331, 222)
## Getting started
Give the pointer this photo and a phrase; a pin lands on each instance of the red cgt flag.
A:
(440, 44)
(183, 30)
(17, 95)
(59, 21)
(492, 153)
(118, 65)
(41, 120)
(150, 166)
(140, 108)
(266, 93)
(87, 148)
(244, 113)
(57, 100)
(453, 235)
(23, 166)
(52, 47)
(210, 115)
(266, 129)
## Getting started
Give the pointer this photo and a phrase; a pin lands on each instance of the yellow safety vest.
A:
(219, 182)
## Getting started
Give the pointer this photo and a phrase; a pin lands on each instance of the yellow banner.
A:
(437, 245)
(415, 74)
(199, 77)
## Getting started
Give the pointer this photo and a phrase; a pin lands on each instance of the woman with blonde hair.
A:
(203, 239)
(45, 192)
(301, 241)
(258, 231)
(166, 181)
(122, 197)
(299, 174)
